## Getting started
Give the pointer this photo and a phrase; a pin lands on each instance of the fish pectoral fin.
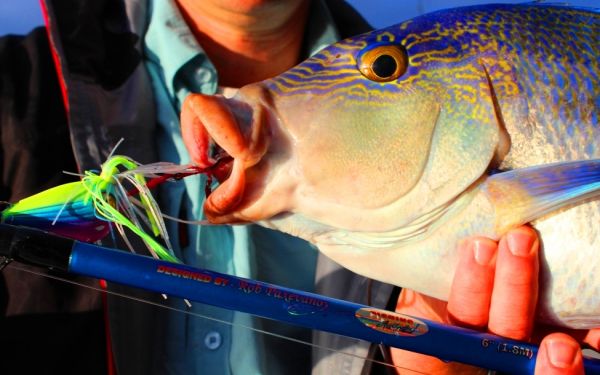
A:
(523, 195)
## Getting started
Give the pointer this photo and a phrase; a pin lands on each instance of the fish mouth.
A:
(228, 137)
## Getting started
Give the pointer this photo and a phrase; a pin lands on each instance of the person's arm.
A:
(495, 288)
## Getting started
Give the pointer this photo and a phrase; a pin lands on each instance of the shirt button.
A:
(212, 340)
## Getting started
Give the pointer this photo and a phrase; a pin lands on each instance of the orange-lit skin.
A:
(261, 38)
(491, 291)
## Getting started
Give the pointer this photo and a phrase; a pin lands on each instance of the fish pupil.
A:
(384, 66)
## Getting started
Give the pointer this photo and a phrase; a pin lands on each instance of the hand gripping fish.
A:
(387, 148)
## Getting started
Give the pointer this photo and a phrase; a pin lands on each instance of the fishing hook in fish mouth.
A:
(226, 136)
(221, 170)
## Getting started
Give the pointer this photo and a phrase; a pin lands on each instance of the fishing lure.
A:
(88, 209)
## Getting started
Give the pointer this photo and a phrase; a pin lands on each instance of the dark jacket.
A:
(48, 326)
(68, 93)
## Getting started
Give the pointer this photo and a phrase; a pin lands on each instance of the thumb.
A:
(559, 354)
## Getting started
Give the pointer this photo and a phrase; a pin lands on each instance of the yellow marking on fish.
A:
(390, 37)
(404, 25)
(465, 92)
(434, 55)
(422, 41)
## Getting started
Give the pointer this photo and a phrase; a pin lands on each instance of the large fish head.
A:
(370, 134)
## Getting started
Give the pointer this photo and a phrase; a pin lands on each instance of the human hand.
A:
(494, 289)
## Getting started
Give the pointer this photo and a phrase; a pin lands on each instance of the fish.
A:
(386, 149)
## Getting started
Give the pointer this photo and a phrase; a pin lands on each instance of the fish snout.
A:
(228, 136)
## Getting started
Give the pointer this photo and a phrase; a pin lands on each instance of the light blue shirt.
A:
(178, 66)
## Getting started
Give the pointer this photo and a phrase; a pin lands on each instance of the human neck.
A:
(248, 40)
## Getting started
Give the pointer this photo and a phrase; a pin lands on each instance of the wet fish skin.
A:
(386, 177)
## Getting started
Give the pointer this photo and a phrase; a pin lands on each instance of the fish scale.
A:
(386, 175)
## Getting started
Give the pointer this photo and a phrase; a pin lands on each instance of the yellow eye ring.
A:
(383, 63)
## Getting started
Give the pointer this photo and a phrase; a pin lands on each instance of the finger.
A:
(593, 338)
(209, 116)
(195, 136)
(471, 291)
(559, 354)
(515, 285)
(417, 304)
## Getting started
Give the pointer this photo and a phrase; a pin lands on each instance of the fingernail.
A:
(561, 353)
(483, 252)
(520, 243)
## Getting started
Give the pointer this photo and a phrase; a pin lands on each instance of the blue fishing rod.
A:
(39, 248)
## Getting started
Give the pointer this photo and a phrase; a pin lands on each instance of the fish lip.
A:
(244, 140)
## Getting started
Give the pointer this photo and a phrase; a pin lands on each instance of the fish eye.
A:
(383, 63)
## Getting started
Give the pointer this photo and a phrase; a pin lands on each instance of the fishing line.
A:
(112, 202)
(105, 197)
(17, 267)
(204, 222)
